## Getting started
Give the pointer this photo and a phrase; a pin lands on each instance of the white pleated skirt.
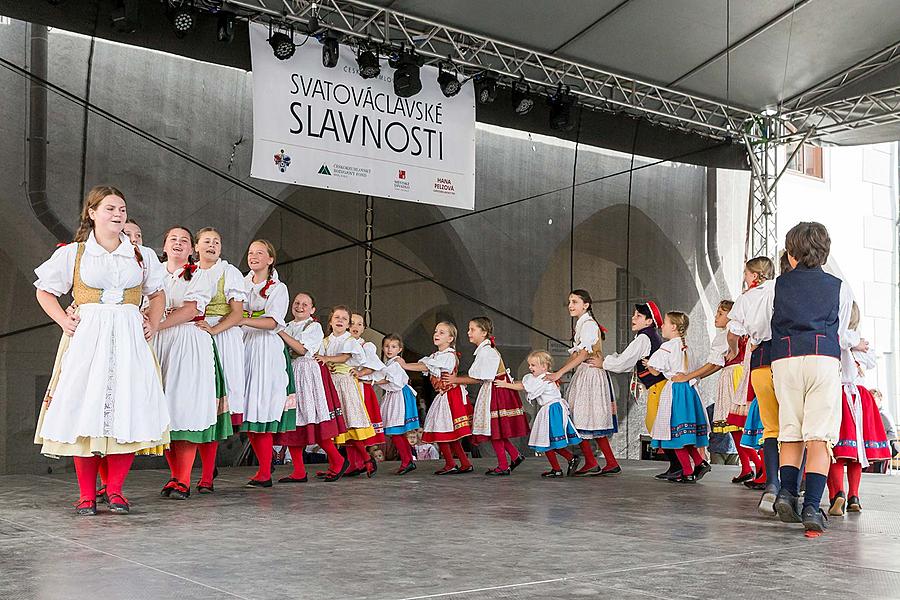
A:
(265, 376)
(188, 366)
(230, 344)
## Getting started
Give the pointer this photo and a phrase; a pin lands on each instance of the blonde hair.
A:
(450, 327)
(854, 317)
(762, 266)
(542, 357)
(270, 248)
(681, 322)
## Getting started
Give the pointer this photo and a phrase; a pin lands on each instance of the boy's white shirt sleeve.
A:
(628, 359)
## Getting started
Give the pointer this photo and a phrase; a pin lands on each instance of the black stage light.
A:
(485, 87)
(225, 27)
(561, 109)
(522, 100)
(449, 82)
(407, 82)
(184, 19)
(330, 51)
(282, 44)
(369, 67)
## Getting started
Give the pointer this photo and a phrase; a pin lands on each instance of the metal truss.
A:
(762, 224)
(472, 53)
(851, 114)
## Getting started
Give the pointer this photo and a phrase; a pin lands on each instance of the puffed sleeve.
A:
(440, 362)
(199, 290)
(371, 360)
(661, 359)
(276, 305)
(534, 386)
(587, 337)
(395, 376)
(55, 275)
(865, 359)
(486, 364)
(235, 285)
(312, 338)
(737, 316)
(154, 272)
(718, 349)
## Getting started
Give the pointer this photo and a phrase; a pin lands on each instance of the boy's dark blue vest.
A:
(805, 317)
(647, 378)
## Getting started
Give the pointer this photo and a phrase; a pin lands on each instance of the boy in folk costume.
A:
(810, 321)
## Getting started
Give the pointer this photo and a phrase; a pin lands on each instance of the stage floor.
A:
(461, 537)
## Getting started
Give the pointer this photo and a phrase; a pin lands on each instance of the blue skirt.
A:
(562, 432)
(753, 428)
(689, 426)
(411, 410)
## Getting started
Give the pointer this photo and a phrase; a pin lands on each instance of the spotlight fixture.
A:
(225, 27)
(184, 19)
(367, 60)
(561, 109)
(282, 43)
(330, 51)
(407, 82)
(522, 100)
(448, 82)
(485, 87)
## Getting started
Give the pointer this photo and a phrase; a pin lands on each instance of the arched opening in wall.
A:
(656, 270)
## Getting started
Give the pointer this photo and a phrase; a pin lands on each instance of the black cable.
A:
(572, 207)
(628, 270)
(265, 196)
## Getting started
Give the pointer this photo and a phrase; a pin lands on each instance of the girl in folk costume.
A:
(862, 436)
(680, 422)
(105, 397)
(552, 431)
(751, 317)
(221, 318)
(191, 372)
(449, 418)
(270, 401)
(399, 407)
(730, 412)
(644, 323)
(319, 417)
(336, 351)
(364, 368)
(498, 415)
(590, 394)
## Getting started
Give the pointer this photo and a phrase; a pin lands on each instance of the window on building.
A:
(808, 161)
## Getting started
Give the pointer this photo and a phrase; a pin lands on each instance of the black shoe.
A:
(86, 508)
(519, 460)
(497, 472)
(787, 506)
(290, 479)
(686, 478)
(354, 472)
(203, 488)
(701, 470)
(462, 470)
(404, 470)
(180, 492)
(667, 475)
(853, 504)
(119, 505)
(552, 474)
(588, 472)
(755, 485)
(572, 465)
(332, 477)
(766, 506)
(837, 505)
(257, 483)
(167, 489)
(102, 496)
(447, 471)
(611, 471)
(743, 478)
(814, 519)
(674, 476)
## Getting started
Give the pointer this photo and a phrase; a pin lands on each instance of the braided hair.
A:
(86, 225)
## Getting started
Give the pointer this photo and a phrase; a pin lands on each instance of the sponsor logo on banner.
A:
(365, 139)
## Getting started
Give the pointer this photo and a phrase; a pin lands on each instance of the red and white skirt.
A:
(449, 417)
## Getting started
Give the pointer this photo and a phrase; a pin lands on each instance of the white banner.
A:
(331, 129)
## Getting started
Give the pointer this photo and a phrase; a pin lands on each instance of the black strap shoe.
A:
(497, 472)
(404, 470)
(448, 471)
(462, 470)
(258, 483)
(118, 504)
(837, 505)
(853, 504)
(552, 474)
(701, 470)
(611, 471)
(290, 479)
(743, 478)
(332, 477)
(180, 492)
(572, 465)
(86, 508)
(205, 488)
(519, 460)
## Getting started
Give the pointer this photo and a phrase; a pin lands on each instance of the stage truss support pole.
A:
(370, 234)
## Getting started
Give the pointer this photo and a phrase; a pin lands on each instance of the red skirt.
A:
(316, 433)
(508, 418)
(449, 418)
(874, 438)
(374, 410)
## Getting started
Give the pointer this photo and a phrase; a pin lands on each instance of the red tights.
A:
(403, 449)
(750, 461)
(590, 461)
(262, 448)
(449, 449)
(554, 462)
(335, 460)
(685, 455)
(87, 467)
(836, 477)
(297, 460)
(502, 447)
(207, 452)
(180, 456)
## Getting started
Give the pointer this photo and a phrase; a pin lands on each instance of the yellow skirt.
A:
(653, 403)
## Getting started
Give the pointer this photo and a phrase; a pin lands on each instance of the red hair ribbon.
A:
(264, 292)
(62, 244)
(188, 268)
(603, 330)
(754, 284)
(493, 342)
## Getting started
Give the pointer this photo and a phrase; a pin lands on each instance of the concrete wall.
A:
(516, 259)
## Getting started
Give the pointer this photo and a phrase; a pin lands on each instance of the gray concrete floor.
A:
(420, 536)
